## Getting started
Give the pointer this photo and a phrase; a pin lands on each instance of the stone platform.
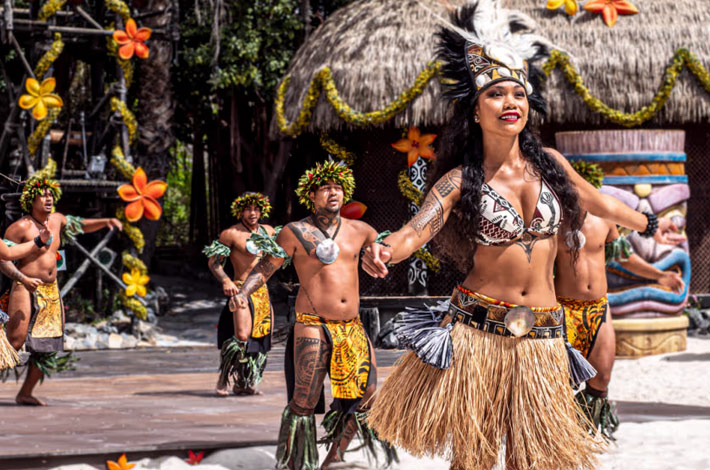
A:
(637, 337)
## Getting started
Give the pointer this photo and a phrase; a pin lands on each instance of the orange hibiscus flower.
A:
(132, 41)
(611, 9)
(122, 464)
(143, 197)
(416, 145)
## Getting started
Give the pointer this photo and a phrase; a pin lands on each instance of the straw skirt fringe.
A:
(8, 355)
(496, 387)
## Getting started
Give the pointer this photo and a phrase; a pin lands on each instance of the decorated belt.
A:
(504, 319)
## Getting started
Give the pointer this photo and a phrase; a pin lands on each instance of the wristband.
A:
(38, 242)
(651, 227)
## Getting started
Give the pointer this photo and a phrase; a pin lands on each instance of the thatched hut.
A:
(377, 50)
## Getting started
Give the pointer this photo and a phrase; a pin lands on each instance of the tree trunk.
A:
(155, 98)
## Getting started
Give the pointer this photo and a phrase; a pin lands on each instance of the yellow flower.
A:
(135, 282)
(571, 6)
(40, 97)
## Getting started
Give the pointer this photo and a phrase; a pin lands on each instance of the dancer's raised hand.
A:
(375, 259)
(44, 233)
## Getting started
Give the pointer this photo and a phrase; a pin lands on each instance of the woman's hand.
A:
(375, 259)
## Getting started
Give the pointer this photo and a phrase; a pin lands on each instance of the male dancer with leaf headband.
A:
(581, 289)
(328, 337)
(243, 347)
(33, 303)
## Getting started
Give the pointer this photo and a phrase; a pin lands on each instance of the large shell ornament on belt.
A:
(519, 320)
(327, 251)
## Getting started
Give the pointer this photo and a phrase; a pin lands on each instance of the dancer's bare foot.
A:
(29, 401)
(246, 391)
(222, 389)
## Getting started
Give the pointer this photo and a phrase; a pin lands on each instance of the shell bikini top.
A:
(502, 224)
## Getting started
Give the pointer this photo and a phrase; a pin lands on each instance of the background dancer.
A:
(581, 289)
(328, 337)
(488, 372)
(243, 347)
(33, 302)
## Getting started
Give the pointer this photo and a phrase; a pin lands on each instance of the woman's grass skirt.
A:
(497, 387)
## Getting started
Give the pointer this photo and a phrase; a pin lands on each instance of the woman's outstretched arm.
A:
(420, 229)
(610, 208)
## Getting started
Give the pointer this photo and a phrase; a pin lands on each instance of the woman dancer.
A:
(499, 367)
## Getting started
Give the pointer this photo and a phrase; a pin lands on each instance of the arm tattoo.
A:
(311, 364)
(448, 184)
(9, 269)
(261, 273)
(431, 216)
(527, 242)
(215, 265)
(308, 235)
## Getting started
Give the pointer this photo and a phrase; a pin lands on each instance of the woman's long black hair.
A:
(461, 143)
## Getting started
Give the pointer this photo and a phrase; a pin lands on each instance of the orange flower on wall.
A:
(611, 9)
(132, 41)
(40, 97)
(143, 197)
(416, 145)
(122, 464)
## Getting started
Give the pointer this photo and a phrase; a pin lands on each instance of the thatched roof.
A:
(624, 65)
(376, 49)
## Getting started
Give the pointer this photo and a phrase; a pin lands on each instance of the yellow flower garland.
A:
(50, 8)
(131, 262)
(408, 189)
(120, 7)
(121, 164)
(128, 118)
(337, 150)
(680, 58)
(133, 232)
(49, 170)
(323, 81)
(41, 130)
(134, 305)
(49, 57)
(431, 261)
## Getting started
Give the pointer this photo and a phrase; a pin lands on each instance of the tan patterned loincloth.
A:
(46, 329)
(583, 320)
(350, 362)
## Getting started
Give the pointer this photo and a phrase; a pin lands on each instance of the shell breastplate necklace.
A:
(327, 251)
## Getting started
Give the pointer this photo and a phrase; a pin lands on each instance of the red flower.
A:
(194, 459)
(611, 9)
(353, 210)
(416, 145)
(131, 41)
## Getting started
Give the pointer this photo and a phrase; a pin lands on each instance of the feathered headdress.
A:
(248, 199)
(35, 187)
(485, 44)
(314, 178)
